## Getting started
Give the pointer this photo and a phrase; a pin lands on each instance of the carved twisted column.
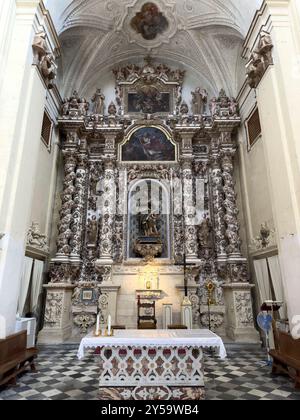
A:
(237, 290)
(233, 227)
(58, 326)
(64, 227)
(190, 229)
(218, 206)
(79, 205)
(109, 212)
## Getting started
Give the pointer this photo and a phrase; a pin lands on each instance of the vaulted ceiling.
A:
(204, 37)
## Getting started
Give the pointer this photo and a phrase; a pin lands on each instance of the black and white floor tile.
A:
(244, 375)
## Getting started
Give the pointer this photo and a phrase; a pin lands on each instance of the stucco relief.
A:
(35, 239)
(243, 307)
(53, 311)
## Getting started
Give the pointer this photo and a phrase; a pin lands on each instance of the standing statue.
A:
(98, 100)
(199, 100)
(92, 230)
(149, 225)
(214, 107)
(48, 69)
(39, 47)
(204, 234)
(84, 107)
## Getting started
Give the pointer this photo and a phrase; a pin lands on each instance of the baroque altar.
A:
(148, 184)
(142, 362)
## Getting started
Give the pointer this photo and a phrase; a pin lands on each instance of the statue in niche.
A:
(199, 100)
(149, 225)
(92, 230)
(98, 101)
(204, 234)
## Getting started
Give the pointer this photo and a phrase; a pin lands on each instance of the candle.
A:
(109, 325)
(98, 325)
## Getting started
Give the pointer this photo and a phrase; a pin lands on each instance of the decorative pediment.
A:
(151, 89)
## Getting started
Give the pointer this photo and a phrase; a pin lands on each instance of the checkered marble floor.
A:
(242, 376)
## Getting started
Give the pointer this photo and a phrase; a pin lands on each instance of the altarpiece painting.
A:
(148, 144)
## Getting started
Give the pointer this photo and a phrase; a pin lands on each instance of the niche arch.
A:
(144, 196)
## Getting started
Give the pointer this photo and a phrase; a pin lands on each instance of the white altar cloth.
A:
(155, 338)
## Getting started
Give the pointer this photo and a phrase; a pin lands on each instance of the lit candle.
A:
(98, 325)
(109, 325)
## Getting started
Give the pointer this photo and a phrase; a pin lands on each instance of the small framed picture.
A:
(87, 294)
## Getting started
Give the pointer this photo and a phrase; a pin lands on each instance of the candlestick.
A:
(109, 325)
(98, 325)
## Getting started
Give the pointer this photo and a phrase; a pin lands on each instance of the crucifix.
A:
(185, 265)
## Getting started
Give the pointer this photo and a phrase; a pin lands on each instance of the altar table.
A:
(172, 358)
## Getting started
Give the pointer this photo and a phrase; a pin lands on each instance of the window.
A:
(46, 131)
(253, 127)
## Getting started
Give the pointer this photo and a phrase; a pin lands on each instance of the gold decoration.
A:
(210, 287)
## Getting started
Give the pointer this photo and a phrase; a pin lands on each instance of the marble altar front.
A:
(141, 359)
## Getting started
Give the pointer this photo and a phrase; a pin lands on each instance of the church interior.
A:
(149, 200)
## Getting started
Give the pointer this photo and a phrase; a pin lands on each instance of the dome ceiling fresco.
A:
(149, 22)
(204, 37)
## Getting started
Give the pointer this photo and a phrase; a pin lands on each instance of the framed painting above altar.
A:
(149, 101)
(148, 144)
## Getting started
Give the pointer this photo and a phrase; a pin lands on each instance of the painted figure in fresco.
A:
(98, 101)
(149, 22)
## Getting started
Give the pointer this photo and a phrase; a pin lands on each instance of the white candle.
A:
(109, 325)
(98, 324)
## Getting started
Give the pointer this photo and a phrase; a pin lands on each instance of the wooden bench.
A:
(15, 358)
(286, 356)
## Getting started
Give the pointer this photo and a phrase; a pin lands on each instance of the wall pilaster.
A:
(22, 101)
(278, 93)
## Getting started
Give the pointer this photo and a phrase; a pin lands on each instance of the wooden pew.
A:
(15, 358)
(286, 357)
